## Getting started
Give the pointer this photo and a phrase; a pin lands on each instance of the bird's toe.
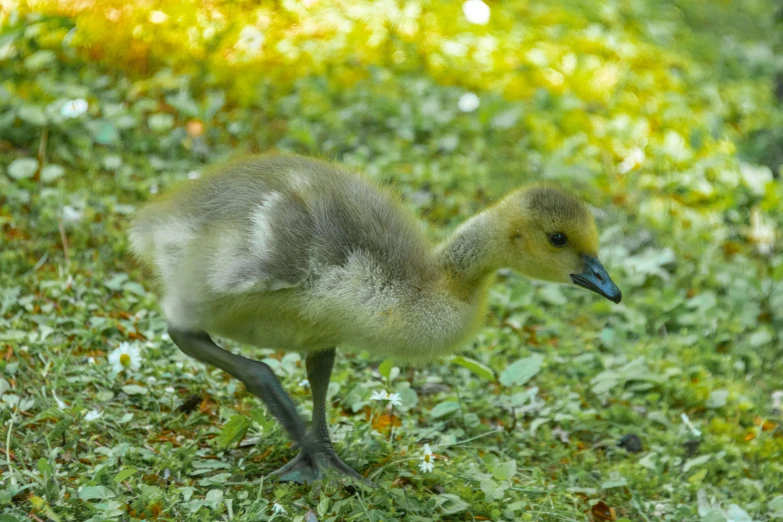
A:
(306, 468)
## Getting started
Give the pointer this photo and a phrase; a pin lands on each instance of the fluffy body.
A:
(299, 254)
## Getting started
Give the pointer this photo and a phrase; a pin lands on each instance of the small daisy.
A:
(633, 160)
(468, 102)
(169, 389)
(277, 509)
(250, 40)
(304, 383)
(74, 108)
(394, 399)
(158, 17)
(426, 465)
(379, 396)
(126, 358)
(93, 415)
(476, 12)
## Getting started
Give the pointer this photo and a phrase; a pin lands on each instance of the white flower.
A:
(193, 174)
(277, 509)
(468, 102)
(633, 160)
(154, 189)
(394, 399)
(169, 389)
(93, 415)
(158, 17)
(250, 40)
(689, 424)
(426, 465)
(91, 360)
(126, 358)
(304, 383)
(476, 11)
(379, 396)
(151, 380)
(74, 108)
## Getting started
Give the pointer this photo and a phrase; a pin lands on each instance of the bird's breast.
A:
(397, 320)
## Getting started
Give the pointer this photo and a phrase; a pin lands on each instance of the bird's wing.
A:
(264, 250)
(259, 246)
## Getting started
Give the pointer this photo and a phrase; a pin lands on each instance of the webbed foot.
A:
(308, 467)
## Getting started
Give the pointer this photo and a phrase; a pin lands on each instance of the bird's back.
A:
(267, 224)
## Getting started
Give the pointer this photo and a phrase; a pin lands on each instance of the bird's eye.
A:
(559, 239)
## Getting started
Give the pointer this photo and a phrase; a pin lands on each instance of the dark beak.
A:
(595, 278)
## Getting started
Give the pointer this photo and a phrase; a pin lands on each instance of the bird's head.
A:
(551, 235)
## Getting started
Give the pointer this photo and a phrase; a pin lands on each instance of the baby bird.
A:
(298, 254)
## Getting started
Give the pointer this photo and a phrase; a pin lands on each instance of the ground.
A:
(666, 116)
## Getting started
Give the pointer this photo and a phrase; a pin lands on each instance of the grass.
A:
(565, 407)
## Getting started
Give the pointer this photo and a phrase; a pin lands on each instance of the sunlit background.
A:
(666, 115)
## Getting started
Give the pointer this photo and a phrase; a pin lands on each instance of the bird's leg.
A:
(319, 371)
(258, 377)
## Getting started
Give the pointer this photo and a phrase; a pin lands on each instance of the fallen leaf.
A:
(602, 511)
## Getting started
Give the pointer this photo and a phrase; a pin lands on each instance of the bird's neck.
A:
(469, 256)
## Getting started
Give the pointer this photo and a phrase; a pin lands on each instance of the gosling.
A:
(303, 255)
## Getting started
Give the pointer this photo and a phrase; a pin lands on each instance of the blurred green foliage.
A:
(639, 95)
